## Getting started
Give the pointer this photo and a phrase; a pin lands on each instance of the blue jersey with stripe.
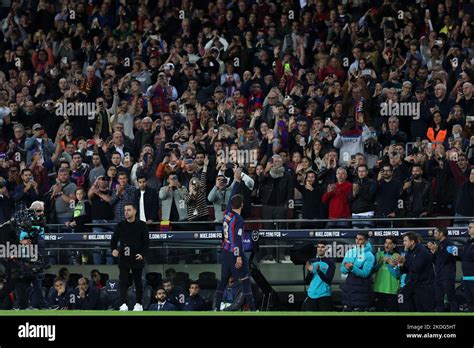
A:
(233, 227)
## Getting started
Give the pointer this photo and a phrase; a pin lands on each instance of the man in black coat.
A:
(132, 233)
(194, 302)
(467, 262)
(86, 297)
(146, 200)
(444, 259)
(418, 292)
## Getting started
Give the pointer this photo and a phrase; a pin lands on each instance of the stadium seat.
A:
(132, 299)
(182, 279)
(73, 279)
(153, 279)
(104, 277)
(208, 284)
(48, 280)
(112, 294)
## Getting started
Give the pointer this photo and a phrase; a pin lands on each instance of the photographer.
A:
(27, 272)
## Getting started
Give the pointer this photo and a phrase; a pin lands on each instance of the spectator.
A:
(80, 170)
(417, 195)
(219, 197)
(387, 277)
(82, 212)
(174, 294)
(146, 199)
(194, 302)
(60, 297)
(444, 259)
(86, 297)
(362, 198)
(96, 280)
(173, 202)
(337, 198)
(39, 142)
(162, 304)
(312, 193)
(25, 193)
(418, 292)
(276, 190)
(102, 212)
(350, 140)
(467, 261)
(465, 199)
(97, 169)
(60, 196)
(357, 265)
(320, 275)
(394, 135)
(233, 298)
(196, 198)
(387, 193)
(123, 193)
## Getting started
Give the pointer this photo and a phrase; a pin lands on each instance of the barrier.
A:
(254, 235)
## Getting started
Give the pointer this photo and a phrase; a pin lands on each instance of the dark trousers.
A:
(442, 288)
(273, 212)
(124, 277)
(386, 302)
(322, 304)
(468, 286)
(418, 297)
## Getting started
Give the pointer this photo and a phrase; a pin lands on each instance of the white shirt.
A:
(142, 206)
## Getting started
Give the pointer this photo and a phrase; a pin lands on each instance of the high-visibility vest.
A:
(440, 136)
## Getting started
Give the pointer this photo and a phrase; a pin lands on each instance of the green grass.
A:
(5, 313)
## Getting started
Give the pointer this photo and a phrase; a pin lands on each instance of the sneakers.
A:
(286, 259)
(138, 308)
(123, 308)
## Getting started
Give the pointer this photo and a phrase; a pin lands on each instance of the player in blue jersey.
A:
(234, 261)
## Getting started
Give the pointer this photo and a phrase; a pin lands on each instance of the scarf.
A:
(276, 173)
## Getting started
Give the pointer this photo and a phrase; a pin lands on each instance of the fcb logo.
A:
(196, 235)
(371, 234)
(311, 234)
(84, 236)
(430, 233)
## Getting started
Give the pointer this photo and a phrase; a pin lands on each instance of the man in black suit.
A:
(146, 200)
(162, 302)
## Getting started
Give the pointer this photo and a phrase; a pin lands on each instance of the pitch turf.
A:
(5, 313)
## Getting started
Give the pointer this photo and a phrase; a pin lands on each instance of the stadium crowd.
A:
(359, 109)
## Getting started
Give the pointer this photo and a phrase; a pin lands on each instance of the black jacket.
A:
(364, 200)
(195, 303)
(445, 261)
(467, 258)
(426, 199)
(150, 203)
(311, 201)
(387, 194)
(134, 239)
(283, 187)
(91, 301)
(418, 266)
(465, 200)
